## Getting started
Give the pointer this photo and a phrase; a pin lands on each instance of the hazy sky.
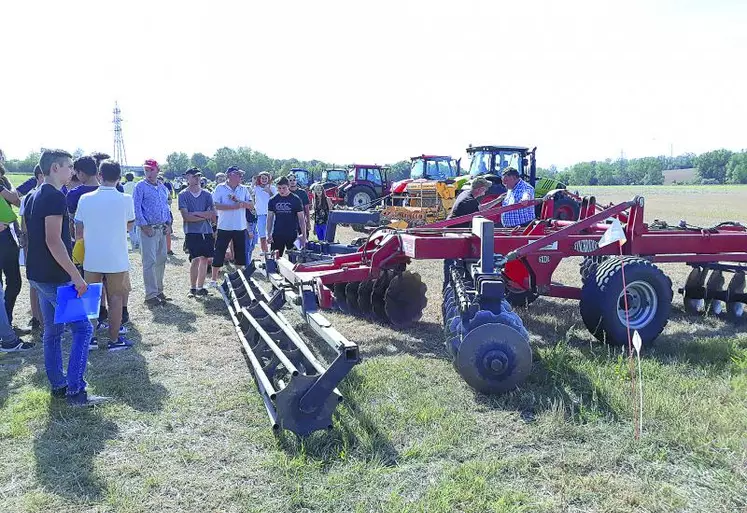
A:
(375, 81)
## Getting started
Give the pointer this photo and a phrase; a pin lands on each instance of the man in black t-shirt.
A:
(48, 266)
(468, 202)
(284, 218)
(304, 197)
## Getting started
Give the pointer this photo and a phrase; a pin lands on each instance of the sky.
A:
(375, 82)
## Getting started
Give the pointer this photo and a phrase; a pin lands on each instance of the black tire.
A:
(649, 293)
(359, 190)
(565, 208)
(590, 265)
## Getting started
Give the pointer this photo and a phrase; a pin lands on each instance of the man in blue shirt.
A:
(517, 191)
(153, 218)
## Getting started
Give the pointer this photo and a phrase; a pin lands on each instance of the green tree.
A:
(224, 158)
(583, 173)
(199, 160)
(736, 169)
(399, 170)
(712, 165)
(606, 173)
(177, 163)
(646, 171)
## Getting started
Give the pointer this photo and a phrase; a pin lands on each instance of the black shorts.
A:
(200, 245)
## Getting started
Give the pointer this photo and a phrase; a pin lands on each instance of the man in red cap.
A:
(153, 218)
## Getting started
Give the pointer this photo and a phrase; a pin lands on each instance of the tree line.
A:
(714, 167)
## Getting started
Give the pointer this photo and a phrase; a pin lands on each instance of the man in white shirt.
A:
(263, 191)
(102, 220)
(231, 200)
(129, 188)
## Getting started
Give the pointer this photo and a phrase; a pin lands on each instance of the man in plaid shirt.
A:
(517, 191)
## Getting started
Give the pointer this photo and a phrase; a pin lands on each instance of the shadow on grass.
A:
(354, 432)
(174, 315)
(554, 384)
(66, 450)
(13, 363)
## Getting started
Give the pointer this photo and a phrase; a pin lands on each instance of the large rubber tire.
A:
(649, 296)
(590, 265)
(565, 208)
(353, 198)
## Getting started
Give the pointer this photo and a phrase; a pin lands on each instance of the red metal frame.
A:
(532, 253)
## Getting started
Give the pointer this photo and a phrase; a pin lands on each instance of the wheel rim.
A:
(643, 304)
(360, 198)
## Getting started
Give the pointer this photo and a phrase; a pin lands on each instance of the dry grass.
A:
(187, 431)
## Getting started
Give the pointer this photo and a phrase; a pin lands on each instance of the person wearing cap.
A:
(198, 212)
(231, 200)
(517, 190)
(468, 201)
(153, 218)
(263, 191)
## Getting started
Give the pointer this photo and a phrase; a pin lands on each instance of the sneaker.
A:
(93, 344)
(163, 297)
(83, 399)
(154, 301)
(202, 292)
(16, 346)
(22, 330)
(192, 293)
(59, 393)
(119, 344)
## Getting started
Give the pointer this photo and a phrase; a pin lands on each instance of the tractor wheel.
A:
(359, 196)
(649, 298)
(590, 265)
(565, 208)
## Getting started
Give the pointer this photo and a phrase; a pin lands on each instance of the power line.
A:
(119, 149)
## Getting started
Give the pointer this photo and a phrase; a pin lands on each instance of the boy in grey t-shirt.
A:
(198, 213)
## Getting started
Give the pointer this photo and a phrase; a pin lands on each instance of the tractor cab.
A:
(333, 177)
(436, 168)
(490, 161)
(364, 185)
(303, 177)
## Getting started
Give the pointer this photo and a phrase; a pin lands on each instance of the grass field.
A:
(187, 430)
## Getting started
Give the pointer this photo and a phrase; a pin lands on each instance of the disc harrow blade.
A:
(340, 300)
(405, 299)
(351, 297)
(364, 297)
(377, 297)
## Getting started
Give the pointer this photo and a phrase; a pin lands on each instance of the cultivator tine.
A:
(298, 392)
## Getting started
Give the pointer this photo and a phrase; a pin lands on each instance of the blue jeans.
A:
(7, 334)
(52, 339)
(251, 242)
(321, 231)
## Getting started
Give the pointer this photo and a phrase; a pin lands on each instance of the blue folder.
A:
(71, 308)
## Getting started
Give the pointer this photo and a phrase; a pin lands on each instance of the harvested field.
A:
(188, 432)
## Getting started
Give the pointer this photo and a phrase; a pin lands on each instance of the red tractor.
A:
(365, 184)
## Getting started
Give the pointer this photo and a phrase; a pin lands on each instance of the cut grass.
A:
(188, 432)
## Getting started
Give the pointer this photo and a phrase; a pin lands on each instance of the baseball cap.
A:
(234, 169)
(480, 182)
(151, 163)
(193, 171)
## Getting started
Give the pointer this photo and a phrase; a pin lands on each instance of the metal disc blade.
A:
(339, 293)
(364, 297)
(351, 296)
(405, 299)
(494, 358)
(377, 297)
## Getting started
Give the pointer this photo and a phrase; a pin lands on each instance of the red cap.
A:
(151, 163)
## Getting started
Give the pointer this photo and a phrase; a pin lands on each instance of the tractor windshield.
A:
(302, 177)
(432, 169)
(481, 162)
(333, 175)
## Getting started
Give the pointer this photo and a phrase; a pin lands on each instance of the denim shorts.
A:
(262, 226)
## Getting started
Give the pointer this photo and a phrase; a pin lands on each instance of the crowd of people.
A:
(74, 220)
